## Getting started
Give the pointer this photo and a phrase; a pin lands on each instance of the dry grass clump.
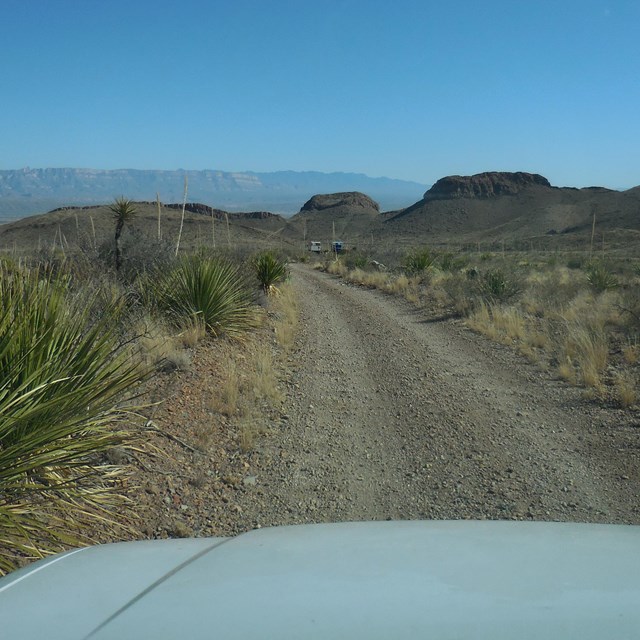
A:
(503, 324)
(191, 334)
(286, 310)
(337, 268)
(371, 279)
(510, 321)
(625, 389)
(225, 396)
(631, 353)
(264, 381)
(159, 349)
(550, 289)
(481, 321)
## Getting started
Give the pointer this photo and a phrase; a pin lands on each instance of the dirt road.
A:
(390, 416)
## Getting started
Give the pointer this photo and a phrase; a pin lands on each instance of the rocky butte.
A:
(351, 200)
(484, 185)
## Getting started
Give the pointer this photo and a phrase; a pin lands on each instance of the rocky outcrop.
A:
(203, 209)
(352, 200)
(484, 185)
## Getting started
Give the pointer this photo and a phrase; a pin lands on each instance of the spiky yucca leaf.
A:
(60, 379)
(208, 290)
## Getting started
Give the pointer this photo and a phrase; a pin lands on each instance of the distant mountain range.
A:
(27, 191)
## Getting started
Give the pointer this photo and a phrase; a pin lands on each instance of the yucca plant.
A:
(123, 211)
(600, 278)
(418, 261)
(212, 291)
(270, 270)
(497, 286)
(61, 377)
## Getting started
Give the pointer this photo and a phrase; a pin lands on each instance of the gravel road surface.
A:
(390, 416)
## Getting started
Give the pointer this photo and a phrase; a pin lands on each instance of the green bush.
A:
(212, 291)
(270, 270)
(61, 374)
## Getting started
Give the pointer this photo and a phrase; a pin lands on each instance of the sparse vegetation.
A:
(78, 340)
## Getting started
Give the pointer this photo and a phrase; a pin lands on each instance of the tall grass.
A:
(62, 372)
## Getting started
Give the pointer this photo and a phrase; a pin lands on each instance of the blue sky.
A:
(405, 88)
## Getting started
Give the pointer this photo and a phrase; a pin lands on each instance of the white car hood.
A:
(441, 580)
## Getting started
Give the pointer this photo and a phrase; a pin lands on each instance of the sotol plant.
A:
(496, 286)
(600, 278)
(210, 291)
(418, 261)
(270, 271)
(61, 376)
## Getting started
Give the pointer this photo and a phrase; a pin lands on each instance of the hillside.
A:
(92, 227)
(31, 191)
(514, 206)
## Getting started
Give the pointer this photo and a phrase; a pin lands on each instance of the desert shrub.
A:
(600, 277)
(418, 261)
(549, 290)
(497, 286)
(576, 262)
(270, 270)
(357, 260)
(61, 374)
(212, 291)
(461, 291)
(449, 262)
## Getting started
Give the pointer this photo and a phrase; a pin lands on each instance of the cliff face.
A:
(484, 185)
